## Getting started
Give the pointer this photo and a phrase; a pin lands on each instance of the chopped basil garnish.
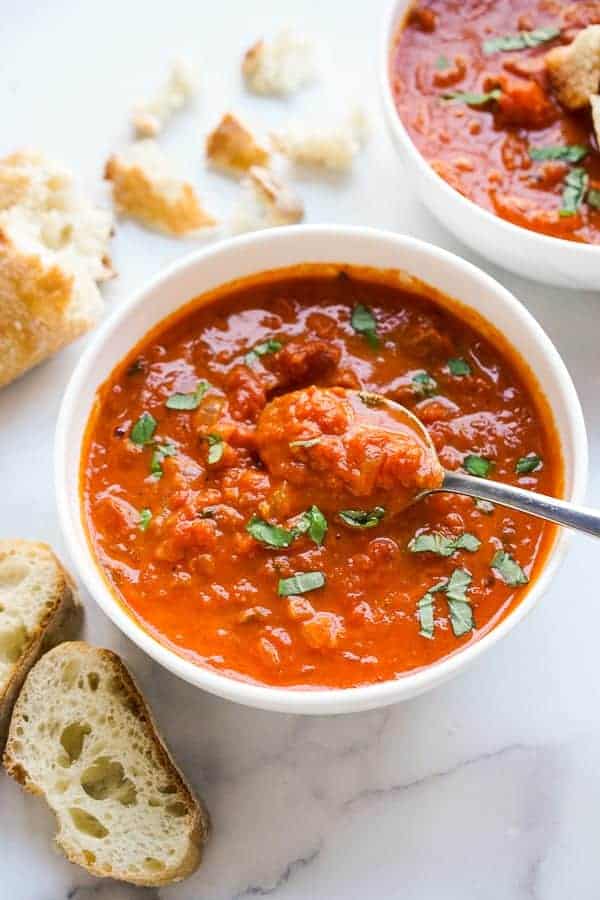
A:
(371, 400)
(441, 63)
(477, 465)
(138, 365)
(362, 518)
(440, 544)
(160, 452)
(310, 442)
(461, 614)
(484, 506)
(509, 571)
(576, 184)
(472, 99)
(593, 198)
(424, 385)
(528, 464)
(520, 41)
(270, 346)
(207, 513)
(215, 448)
(143, 430)
(271, 535)
(459, 366)
(191, 400)
(300, 583)
(363, 321)
(145, 518)
(313, 523)
(567, 153)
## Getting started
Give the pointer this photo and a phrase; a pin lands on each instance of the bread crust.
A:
(199, 824)
(574, 70)
(231, 146)
(60, 623)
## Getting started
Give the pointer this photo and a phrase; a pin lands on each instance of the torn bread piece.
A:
(83, 738)
(233, 148)
(326, 147)
(574, 70)
(267, 202)
(39, 607)
(595, 105)
(150, 118)
(282, 66)
(145, 188)
(53, 251)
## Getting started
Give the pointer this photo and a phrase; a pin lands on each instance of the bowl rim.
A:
(510, 231)
(298, 700)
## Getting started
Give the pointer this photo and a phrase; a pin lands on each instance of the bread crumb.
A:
(145, 188)
(53, 251)
(280, 67)
(233, 148)
(327, 147)
(150, 118)
(574, 70)
(267, 202)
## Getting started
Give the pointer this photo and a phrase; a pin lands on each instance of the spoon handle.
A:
(559, 511)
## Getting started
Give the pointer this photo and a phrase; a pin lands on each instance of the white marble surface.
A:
(488, 787)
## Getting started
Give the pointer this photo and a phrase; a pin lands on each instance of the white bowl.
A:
(284, 247)
(538, 256)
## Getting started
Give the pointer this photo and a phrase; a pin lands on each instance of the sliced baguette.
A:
(82, 737)
(39, 607)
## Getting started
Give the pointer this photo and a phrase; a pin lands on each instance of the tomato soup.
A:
(474, 89)
(209, 535)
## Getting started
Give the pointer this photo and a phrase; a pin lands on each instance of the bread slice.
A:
(266, 202)
(39, 607)
(53, 251)
(281, 66)
(145, 188)
(574, 70)
(232, 147)
(83, 738)
(150, 118)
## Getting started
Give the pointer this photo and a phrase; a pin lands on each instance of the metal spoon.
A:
(560, 511)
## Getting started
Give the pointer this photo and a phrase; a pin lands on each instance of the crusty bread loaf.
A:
(145, 188)
(39, 607)
(53, 251)
(82, 737)
(232, 147)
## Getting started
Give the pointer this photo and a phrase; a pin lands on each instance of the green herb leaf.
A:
(441, 545)
(310, 442)
(270, 346)
(138, 365)
(270, 535)
(461, 614)
(424, 385)
(300, 583)
(593, 198)
(215, 448)
(459, 366)
(313, 523)
(371, 400)
(484, 506)
(425, 609)
(441, 63)
(472, 99)
(145, 518)
(362, 518)
(509, 571)
(477, 465)
(160, 452)
(143, 430)
(191, 400)
(363, 321)
(528, 464)
(566, 153)
(576, 185)
(520, 41)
